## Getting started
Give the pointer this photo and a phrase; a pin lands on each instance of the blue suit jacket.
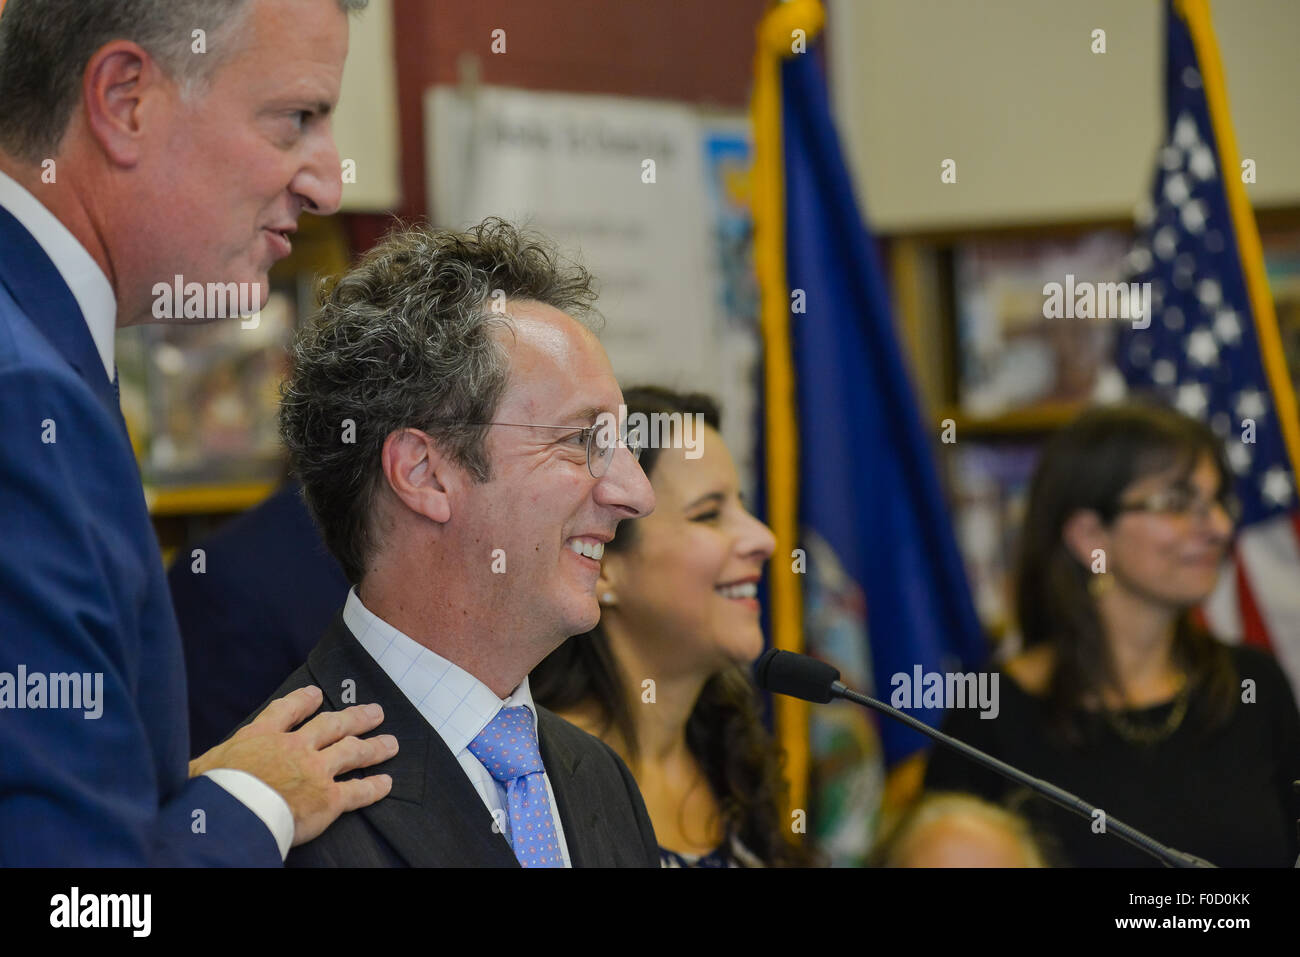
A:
(82, 589)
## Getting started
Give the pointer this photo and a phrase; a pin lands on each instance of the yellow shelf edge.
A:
(198, 499)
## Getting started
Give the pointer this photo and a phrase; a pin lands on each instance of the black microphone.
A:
(784, 672)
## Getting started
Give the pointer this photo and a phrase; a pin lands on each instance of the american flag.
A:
(1203, 353)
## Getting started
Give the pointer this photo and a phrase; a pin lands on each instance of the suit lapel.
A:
(433, 817)
(581, 821)
(40, 292)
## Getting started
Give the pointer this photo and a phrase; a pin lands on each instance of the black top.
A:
(1224, 795)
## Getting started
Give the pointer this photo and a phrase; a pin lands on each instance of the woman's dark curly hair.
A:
(1088, 465)
(724, 732)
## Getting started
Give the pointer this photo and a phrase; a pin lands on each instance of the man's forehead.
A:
(299, 48)
(557, 368)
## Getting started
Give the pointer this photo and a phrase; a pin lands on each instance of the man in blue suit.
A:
(140, 142)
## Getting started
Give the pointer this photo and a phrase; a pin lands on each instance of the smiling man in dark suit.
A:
(442, 416)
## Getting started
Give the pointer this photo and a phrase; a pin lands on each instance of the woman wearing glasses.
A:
(663, 679)
(1120, 696)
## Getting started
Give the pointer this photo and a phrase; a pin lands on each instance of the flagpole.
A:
(1196, 14)
(781, 433)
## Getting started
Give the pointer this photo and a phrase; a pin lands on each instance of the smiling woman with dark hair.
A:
(663, 678)
(1119, 695)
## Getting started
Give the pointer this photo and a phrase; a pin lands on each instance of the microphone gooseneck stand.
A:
(784, 672)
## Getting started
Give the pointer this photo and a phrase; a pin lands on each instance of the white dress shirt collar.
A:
(90, 287)
(452, 700)
(455, 703)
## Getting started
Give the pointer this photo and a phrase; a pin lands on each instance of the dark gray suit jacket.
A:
(433, 817)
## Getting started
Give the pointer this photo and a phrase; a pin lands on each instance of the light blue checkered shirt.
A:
(455, 703)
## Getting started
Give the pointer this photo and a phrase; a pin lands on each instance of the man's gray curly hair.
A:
(405, 340)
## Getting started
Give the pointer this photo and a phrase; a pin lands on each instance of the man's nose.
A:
(625, 486)
(319, 182)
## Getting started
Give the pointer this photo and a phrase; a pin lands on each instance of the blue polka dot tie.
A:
(507, 747)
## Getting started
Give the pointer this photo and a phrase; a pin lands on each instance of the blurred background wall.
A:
(1042, 129)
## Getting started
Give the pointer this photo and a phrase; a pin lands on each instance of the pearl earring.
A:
(607, 598)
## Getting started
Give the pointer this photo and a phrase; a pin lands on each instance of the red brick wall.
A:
(697, 51)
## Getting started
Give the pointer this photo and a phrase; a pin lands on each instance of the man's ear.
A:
(1083, 534)
(418, 473)
(119, 91)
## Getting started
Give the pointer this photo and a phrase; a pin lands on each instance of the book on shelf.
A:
(1016, 355)
(989, 484)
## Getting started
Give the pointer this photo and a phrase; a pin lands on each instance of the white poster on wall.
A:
(617, 182)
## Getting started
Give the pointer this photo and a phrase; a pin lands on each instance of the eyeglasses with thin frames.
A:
(599, 453)
(1181, 501)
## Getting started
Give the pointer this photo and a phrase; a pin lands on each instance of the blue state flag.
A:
(871, 514)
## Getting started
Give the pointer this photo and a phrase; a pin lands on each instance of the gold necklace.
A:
(1148, 736)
